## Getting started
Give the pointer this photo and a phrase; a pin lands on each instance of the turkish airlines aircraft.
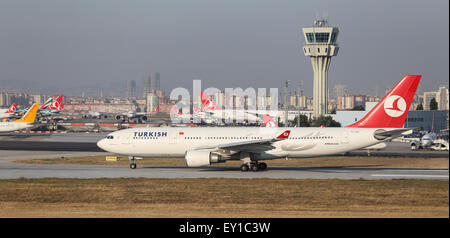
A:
(10, 112)
(211, 110)
(23, 123)
(203, 146)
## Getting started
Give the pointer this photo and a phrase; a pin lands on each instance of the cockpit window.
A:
(110, 137)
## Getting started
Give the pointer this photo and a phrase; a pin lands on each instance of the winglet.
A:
(30, 115)
(284, 135)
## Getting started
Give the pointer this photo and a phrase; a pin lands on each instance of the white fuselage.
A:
(175, 141)
(14, 126)
(6, 115)
(252, 116)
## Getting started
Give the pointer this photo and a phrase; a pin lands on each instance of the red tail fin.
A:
(156, 109)
(392, 110)
(207, 102)
(12, 108)
(176, 110)
(57, 104)
(268, 121)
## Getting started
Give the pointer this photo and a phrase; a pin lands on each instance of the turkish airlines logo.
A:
(394, 106)
(12, 109)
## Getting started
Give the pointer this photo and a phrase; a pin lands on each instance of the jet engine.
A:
(144, 118)
(198, 158)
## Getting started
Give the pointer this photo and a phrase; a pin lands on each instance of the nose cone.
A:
(102, 144)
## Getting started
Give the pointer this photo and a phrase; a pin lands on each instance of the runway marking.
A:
(410, 175)
(418, 170)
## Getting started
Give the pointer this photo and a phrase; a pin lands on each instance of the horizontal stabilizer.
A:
(382, 134)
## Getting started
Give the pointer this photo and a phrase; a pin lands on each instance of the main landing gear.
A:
(132, 162)
(253, 166)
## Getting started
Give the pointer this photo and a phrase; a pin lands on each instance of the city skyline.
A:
(95, 46)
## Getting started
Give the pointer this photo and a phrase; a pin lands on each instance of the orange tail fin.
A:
(30, 116)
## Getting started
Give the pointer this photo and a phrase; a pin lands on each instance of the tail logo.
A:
(395, 106)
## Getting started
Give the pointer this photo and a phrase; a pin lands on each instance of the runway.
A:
(13, 170)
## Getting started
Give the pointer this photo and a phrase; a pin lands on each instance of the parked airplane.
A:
(429, 141)
(10, 112)
(23, 123)
(202, 146)
(214, 112)
(95, 115)
(51, 107)
(136, 116)
(54, 107)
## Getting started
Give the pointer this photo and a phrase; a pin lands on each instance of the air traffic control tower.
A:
(320, 46)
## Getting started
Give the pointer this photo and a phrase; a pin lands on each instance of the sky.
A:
(61, 46)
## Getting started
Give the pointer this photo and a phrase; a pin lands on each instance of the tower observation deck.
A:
(320, 46)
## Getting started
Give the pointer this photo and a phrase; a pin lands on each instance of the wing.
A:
(252, 146)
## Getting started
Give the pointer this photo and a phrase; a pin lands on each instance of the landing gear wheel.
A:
(244, 168)
(254, 167)
(262, 166)
(133, 166)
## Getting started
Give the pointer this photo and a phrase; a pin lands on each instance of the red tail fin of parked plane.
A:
(57, 104)
(176, 110)
(156, 109)
(392, 110)
(12, 108)
(207, 102)
(268, 121)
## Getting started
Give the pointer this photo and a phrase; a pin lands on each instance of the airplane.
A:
(136, 116)
(211, 110)
(10, 112)
(95, 115)
(203, 146)
(23, 123)
(429, 141)
(51, 107)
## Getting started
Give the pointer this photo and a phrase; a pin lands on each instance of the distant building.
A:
(427, 120)
(38, 98)
(427, 96)
(442, 98)
(346, 102)
(152, 102)
(6, 99)
(155, 82)
(349, 117)
(340, 90)
(131, 88)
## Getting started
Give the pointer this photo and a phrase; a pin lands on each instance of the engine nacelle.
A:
(144, 118)
(198, 158)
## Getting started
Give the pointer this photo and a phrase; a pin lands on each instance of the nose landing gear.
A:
(132, 162)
